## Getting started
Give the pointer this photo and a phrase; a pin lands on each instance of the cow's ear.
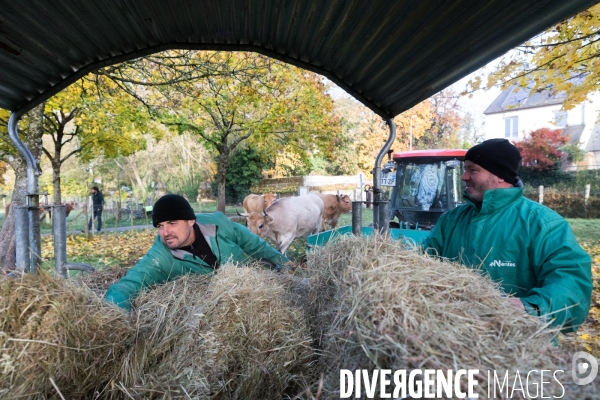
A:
(337, 196)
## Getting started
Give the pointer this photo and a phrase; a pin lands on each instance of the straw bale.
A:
(234, 336)
(55, 336)
(374, 304)
(246, 333)
(100, 280)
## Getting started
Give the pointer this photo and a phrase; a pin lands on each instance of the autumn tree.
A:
(176, 163)
(363, 133)
(540, 149)
(433, 123)
(245, 170)
(91, 118)
(565, 58)
(239, 98)
(445, 121)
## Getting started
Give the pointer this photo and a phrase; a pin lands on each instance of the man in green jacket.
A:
(525, 246)
(189, 243)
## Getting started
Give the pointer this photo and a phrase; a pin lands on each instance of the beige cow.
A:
(257, 203)
(286, 219)
(335, 205)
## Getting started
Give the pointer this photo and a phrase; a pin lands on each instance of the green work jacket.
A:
(525, 246)
(229, 241)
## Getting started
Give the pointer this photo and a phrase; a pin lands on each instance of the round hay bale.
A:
(374, 304)
(233, 336)
(58, 339)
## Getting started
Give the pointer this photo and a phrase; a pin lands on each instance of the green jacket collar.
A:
(496, 199)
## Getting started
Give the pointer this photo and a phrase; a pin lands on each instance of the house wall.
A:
(531, 119)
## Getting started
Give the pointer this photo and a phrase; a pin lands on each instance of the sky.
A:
(480, 100)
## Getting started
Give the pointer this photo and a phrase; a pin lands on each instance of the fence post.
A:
(357, 218)
(369, 199)
(586, 196)
(86, 222)
(541, 194)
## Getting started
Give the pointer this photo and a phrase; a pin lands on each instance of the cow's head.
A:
(69, 207)
(258, 223)
(269, 198)
(344, 203)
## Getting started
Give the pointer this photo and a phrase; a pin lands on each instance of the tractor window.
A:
(422, 186)
(432, 186)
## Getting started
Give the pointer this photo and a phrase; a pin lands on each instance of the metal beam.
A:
(381, 224)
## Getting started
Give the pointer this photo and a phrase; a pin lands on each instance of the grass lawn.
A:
(586, 230)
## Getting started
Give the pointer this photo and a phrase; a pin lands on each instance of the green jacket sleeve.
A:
(254, 246)
(433, 244)
(147, 272)
(564, 276)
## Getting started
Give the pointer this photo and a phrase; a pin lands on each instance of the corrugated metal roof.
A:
(390, 55)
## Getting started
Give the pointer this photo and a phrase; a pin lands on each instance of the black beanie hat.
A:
(498, 156)
(171, 207)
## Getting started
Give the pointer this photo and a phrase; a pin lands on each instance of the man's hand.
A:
(517, 303)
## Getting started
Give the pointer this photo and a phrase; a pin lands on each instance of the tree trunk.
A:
(56, 182)
(221, 180)
(33, 141)
(7, 234)
(221, 192)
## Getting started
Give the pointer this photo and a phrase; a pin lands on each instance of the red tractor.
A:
(425, 184)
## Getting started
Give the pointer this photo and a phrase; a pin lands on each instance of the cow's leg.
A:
(333, 223)
(286, 240)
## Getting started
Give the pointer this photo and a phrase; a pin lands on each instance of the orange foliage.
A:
(540, 149)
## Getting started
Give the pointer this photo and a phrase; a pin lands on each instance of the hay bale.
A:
(100, 280)
(55, 336)
(235, 336)
(374, 304)
(249, 333)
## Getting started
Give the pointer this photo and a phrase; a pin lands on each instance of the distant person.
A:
(526, 247)
(97, 205)
(189, 243)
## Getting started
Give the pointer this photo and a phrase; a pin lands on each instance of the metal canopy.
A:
(390, 55)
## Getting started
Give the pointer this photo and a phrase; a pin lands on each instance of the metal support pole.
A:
(59, 227)
(35, 238)
(377, 174)
(384, 221)
(22, 238)
(357, 218)
(35, 234)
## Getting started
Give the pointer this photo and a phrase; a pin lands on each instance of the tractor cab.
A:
(425, 184)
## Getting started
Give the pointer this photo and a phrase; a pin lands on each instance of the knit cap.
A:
(172, 207)
(498, 156)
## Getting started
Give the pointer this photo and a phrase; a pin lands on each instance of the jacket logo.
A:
(501, 263)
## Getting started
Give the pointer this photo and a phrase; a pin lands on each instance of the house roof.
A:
(517, 98)
(388, 55)
(574, 132)
(593, 143)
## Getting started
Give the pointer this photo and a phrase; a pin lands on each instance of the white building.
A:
(515, 113)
